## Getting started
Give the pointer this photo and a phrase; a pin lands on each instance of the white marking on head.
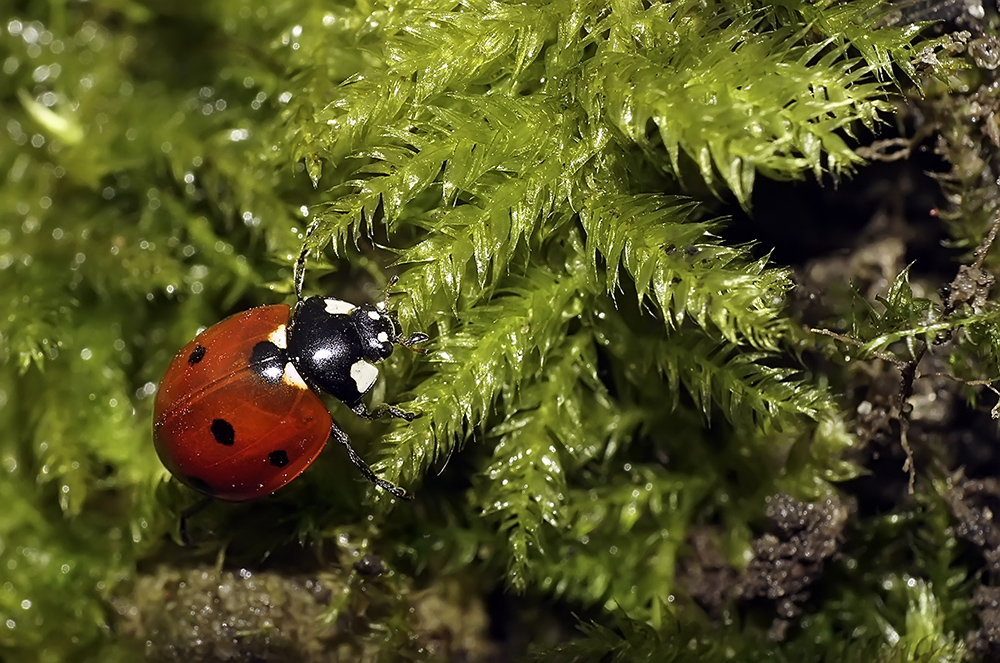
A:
(279, 337)
(292, 377)
(380, 306)
(383, 337)
(374, 315)
(364, 375)
(338, 307)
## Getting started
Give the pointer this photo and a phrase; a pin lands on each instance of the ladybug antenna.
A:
(393, 280)
(300, 264)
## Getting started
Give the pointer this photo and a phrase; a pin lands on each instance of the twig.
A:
(968, 285)
(880, 149)
(959, 292)
(984, 247)
(995, 410)
(885, 356)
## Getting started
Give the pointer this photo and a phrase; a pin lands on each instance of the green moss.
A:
(606, 374)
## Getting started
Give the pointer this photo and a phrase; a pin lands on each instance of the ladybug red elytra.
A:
(238, 415)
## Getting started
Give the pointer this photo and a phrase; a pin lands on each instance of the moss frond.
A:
(497, 346)
(746, 391)
(882, 49)
(411, 112)
(817, 99)
(632, 640)
(906, 318)
(620, 540)
(551, 431)
(687, 272)
(473, 174)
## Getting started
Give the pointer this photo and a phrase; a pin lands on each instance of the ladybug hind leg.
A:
(358, 461)
(186, 515)
(382, 411)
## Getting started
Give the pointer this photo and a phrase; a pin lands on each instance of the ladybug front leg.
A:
(342, 437)
(412, 340)
(382, 411)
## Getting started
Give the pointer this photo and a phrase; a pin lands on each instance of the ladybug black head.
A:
(335, 345)
(378, 330)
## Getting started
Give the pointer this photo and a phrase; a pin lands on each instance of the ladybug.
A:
(238, 413)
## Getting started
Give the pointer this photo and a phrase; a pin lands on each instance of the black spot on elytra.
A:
(196, 355)
(278, 458)
(223, 432)
(268, 361)
(200, 485)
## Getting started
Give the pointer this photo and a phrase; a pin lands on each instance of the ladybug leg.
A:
(186, 515)
(382, 411)
(391, 488)
(412, 340)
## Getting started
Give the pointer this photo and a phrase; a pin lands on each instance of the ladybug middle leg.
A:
(392, 488)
